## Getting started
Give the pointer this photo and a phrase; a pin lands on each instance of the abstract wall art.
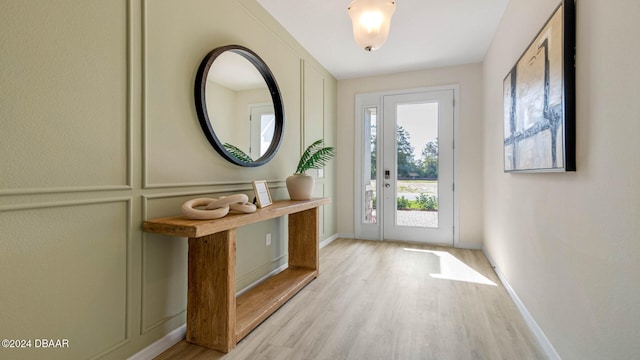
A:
(539, 100)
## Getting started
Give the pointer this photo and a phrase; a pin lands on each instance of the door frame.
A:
(375, 99)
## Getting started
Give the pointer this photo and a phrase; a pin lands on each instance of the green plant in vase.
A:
(300, 185)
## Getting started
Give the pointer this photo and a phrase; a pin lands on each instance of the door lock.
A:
(387, 185)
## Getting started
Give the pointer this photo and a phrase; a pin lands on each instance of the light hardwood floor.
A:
(389, 300)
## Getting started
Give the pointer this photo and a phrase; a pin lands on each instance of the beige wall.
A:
(98, 132)
(568, 243)
(469, 146)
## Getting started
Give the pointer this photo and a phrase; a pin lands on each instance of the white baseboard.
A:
(544, 342)
(161, 345)
(257, 282)
(261, 270)
(468, 246)
(328, 240)
(347, 236)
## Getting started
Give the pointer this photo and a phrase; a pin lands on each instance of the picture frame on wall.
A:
(539, 100)
(263, 196)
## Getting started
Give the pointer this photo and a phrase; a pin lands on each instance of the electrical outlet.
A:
(267, 239)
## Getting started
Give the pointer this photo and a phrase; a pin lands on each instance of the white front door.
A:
(417, 167)
(405, 191)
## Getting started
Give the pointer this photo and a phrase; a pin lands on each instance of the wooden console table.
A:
(215, 318)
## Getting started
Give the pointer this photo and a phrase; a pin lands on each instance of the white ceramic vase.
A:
(300, 186)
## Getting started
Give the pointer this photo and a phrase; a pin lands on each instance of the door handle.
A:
(387, 185)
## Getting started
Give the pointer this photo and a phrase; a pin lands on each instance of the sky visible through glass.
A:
(421, 122)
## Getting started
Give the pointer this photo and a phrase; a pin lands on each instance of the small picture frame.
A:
(263, 197)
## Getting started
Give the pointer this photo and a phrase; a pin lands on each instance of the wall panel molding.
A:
(233, 185)
(70, 189)
(64, 203)
(128, 123)
(42, 246)
(221, 188)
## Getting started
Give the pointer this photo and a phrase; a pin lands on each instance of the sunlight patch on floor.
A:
(451, 268)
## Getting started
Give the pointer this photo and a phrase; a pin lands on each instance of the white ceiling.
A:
(424, 34)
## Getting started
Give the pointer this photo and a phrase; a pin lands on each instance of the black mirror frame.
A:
(203, 115)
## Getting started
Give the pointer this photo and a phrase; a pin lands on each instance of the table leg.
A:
(304, 245)
(211, 298)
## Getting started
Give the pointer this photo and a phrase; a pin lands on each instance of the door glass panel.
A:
(267, 126)
(262, 125)
(370, 165)
(417, 165)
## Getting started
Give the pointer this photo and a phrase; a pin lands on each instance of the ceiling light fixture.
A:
(371, 21)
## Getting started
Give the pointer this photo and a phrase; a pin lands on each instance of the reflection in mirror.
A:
(262, 119)
(241, 110)
(237, 100)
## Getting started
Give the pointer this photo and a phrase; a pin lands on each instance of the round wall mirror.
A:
(239, 105)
